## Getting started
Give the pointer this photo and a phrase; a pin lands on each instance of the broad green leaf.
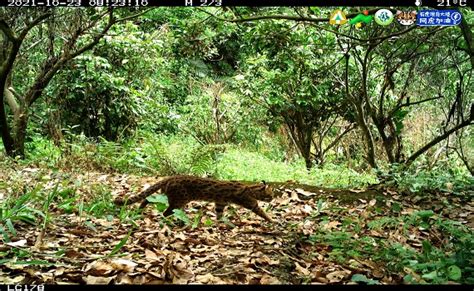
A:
(197, 220)
(160, 201)
(362, 278)
(399, 116)
(208, 222)
(409, 279)
(25, 217)
(430, 276)
(179, 214)
(454, 273)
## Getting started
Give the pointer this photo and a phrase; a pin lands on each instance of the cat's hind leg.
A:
(174, 204)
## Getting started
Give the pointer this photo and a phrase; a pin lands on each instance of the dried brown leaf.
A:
(209, 279)
(338, 276)
(19, 243)
(151, 255)
(372, 202)
(301, 270)
(92, 280)
(269, 280)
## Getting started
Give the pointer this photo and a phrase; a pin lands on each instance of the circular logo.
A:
(456, 16)
(383, 17)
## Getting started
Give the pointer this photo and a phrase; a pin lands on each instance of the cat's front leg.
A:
(220, 209)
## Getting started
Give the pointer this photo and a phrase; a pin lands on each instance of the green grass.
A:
(238, 164)
(150, 154)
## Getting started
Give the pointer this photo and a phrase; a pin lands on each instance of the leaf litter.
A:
(80, 248)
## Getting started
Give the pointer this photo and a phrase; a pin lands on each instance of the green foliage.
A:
(160, 201)
(43, 151)
(18, 209)
(214, 116)
(181, 215)
(99, 102)
(251, 166)
(122, 242)
(448, 176)
(430, 264)
(363, 279)
(168, 155)
(103, 91)
(179, 155)
(102, 202)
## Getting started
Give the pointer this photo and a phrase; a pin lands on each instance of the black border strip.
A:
(328, 3)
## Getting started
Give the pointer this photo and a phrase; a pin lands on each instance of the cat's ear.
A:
(399, 12)
(413, 12)
(263, 182)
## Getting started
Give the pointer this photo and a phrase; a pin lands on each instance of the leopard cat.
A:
(406, 17)
(182, 189)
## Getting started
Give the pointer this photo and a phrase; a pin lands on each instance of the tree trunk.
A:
(307, 161)
(306, 148)
(20, 126)
(303, 143)
(369, 140)
(7, 138)
(386, 141)
(360, 117)
(467, 34)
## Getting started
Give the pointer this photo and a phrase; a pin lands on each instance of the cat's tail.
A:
(142, 196)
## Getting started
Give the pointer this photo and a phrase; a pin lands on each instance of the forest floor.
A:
(319, 235)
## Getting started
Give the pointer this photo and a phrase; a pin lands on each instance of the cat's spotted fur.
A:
(183, 189)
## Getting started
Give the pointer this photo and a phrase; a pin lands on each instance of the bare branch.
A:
(339, 137)
(134, 15)
(7, 30)
(32, 24)
(413, 103)
(439, 139)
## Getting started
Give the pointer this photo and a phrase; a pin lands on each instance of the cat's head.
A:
(406, 17)
(262, 191)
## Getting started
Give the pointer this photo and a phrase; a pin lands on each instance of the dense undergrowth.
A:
(167, 155)
(54, 188)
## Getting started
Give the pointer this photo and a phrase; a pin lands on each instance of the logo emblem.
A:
(337, 18)
(383, 17)
(438, 18)
(361, 18)
(406, 17)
